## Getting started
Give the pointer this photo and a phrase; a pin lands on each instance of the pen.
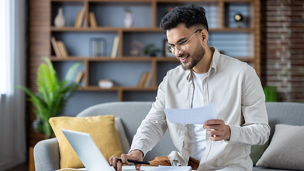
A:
(137, 161)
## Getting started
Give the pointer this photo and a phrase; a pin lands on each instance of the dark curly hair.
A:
(189, 14)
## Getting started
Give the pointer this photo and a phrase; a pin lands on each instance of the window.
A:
(4, 46)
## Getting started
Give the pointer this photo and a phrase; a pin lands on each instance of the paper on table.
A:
(172, 168)
(191, 116)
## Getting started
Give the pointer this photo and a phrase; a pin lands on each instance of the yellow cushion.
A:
(101, 129)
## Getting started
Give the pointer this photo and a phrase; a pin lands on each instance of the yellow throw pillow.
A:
(101, 129)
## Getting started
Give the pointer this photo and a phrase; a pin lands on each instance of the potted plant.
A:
(151, 50)
(51, 95)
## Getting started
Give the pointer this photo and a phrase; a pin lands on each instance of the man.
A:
(205, 76)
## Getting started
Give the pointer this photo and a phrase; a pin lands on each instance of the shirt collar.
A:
(213, 65)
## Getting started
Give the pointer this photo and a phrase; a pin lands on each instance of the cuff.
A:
(235, 134)
(141, 147)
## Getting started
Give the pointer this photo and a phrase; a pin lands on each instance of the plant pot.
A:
(43, 127)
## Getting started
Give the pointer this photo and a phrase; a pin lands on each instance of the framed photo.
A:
(97, 47)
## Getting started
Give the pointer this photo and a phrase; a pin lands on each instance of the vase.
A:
(128, 21)
(59, 19)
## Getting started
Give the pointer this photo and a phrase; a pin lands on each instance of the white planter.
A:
(59, 19)
(128, 21)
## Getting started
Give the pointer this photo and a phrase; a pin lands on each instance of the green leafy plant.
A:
(151, 50)
(52, 94)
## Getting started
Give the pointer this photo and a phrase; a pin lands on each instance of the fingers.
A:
(137, 166)
(217, 129)
(119, 165)
(117, 162)
(214, 122)
(124, 159)
(113, 160)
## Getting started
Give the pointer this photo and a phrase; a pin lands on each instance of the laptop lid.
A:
(87, 151)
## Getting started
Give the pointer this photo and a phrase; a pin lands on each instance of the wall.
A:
(283, 47)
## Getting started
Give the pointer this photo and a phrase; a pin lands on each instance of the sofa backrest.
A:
(131, 114)
(284, 113)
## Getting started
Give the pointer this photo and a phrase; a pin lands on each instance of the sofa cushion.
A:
(125, 145)
(101, 128)
(286, 148)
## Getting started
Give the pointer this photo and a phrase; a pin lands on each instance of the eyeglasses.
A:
(181, 43)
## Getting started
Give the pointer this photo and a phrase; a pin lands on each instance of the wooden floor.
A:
(22, 167)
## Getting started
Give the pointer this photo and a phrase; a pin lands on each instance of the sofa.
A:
(46, 152)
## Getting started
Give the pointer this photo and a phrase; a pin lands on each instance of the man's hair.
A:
(190, 15)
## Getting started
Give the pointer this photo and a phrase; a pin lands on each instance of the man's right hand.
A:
(117, 162)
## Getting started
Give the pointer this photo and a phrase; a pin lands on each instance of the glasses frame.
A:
(181, 44)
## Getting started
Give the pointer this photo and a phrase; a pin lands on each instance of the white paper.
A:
(191, 116)
(159, 168)
(172, 168)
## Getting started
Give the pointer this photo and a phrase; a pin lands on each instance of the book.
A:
(115, 47)
(79, 77)
(143, 79)
(55, 47)
(148, 80)
(92, 20)
(62, 49)
(79, 18)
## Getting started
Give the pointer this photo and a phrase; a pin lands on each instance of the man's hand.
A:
(217, 129)
(117, 162)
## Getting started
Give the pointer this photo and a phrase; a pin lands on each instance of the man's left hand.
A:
(217, 129)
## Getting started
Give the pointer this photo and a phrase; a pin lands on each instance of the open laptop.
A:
(89, 153)
(93, 159)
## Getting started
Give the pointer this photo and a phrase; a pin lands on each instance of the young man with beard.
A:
(204, 76)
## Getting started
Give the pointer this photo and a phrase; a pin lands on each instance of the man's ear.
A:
(204, 36)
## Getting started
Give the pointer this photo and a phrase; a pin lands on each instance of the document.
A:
(158, 168)
(191, 116)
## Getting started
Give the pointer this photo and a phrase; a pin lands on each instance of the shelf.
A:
(96, 88)
(127, 1)
(73, 58)
(160, 59)
(67, 0)
(117, 29)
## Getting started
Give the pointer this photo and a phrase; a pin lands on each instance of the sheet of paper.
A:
(159, 168)
(192, 116)
(172, 168)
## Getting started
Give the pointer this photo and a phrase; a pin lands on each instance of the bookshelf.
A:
(145, 28)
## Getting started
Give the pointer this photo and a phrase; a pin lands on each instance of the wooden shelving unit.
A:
(253, 29)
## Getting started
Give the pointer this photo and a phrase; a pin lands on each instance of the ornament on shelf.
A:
(128, 20)
(59, 19)
(105, 83)
(137, 48)
(238, 18)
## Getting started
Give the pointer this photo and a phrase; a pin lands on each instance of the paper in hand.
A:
(191, 116)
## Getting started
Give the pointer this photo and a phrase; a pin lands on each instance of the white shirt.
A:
(236, 90)
(196, 133)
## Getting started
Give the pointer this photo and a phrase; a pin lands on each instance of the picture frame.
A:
(98, 47)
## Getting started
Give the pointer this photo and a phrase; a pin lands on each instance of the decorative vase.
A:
(59, 19)
(128, 20)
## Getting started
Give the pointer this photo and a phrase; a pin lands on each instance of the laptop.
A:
(93, 159)
(89, 153)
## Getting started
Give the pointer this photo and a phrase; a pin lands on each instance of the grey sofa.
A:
(46, 153)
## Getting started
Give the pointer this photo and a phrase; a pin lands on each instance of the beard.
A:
(196, 58)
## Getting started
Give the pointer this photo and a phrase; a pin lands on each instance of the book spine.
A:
(55, 47)
(115, 47)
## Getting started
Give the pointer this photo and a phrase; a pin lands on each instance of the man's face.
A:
(186, 45)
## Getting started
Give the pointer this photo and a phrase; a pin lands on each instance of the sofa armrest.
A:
(46, 155)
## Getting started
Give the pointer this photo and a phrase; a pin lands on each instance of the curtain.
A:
(12, 100)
